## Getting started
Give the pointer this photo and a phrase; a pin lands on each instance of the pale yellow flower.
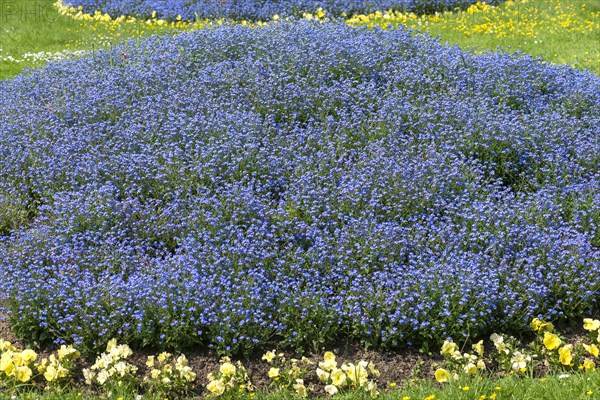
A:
(329, 356)
(481, 364)
(328, 365)
(273, 373)
(478, 348)
(269, 356)
(338, 377)
(23, 373)
(67, 351)
(300, 388)
(537, 325)
(442, 375)
(331, 390)
(216, 387)
(150, 362)
(227, 369)
(111, 345)
(322, 375)
(164, 356)
(591, 324)
(102, 376)
(51, 373)
(88, 375)
(448, 348)
(519, 361)
(470, 369)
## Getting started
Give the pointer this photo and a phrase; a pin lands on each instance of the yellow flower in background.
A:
(565, 356)
(481, 364)
(162, 357)
(329, 356)
(338, 377)
(430, 397)
(23, 374)
(519, 361)
(273, 372)
(470, 369)
(4, 346)
(227, 369)
(322, 375)
(478, 348)
(112, 344)
(67, 351)
(331, 390)
(591, 324)
(448, 348)
(300, 388)
(269, 356)
(551, 341)
(150, 362)
(442, 375)
(328, 365)
(589, 364)
(216, 387)
(592, 349)
(51, 373)
(537, 325)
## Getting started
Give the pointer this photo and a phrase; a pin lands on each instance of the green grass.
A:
(559, 31)
(33, 32)
(580, 386)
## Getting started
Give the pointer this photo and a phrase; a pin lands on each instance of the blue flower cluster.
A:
(298, 182)
(262, 10)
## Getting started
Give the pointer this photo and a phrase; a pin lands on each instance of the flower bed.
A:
(298, 182)
(258, 10)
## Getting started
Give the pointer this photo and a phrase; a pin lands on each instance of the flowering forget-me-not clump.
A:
(298, 182)
(258, 9)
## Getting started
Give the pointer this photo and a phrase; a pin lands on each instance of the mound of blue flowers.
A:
(264, 10)
(301, 183)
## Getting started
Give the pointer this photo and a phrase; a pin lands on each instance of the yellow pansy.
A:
(23, 374)
(331, 389)
(551, 341)
(471, 369)
(565, 355)
(227, 369)
(338, 377)
(216, 387)
(66, 351)
(478, 348)
(592, 349)
(442, 375)
(589, 364)
(591, 324)
(162, 357)
(269, 356)
(322, 375)
(448, 348)
(537, 325)
(51, 373)
(150, 362)
(329, 356)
